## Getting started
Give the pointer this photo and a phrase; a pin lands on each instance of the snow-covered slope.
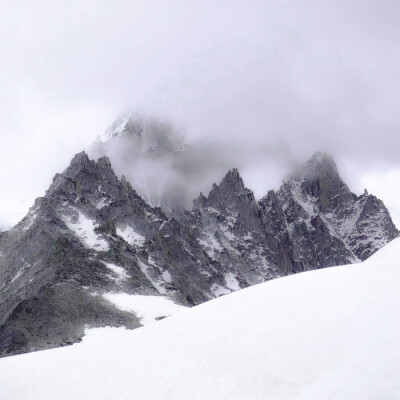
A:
(324, 334)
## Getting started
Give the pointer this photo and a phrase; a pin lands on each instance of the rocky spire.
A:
(320, 179)
(231, 193)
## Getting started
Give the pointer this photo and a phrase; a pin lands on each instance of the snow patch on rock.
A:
(131, 236)
(84, 228)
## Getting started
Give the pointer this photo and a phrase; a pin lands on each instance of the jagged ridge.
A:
(67, 252)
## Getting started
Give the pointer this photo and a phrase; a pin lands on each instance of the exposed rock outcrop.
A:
(92, 234)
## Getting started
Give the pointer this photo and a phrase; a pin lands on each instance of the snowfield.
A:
(326, 334)
(147, 308)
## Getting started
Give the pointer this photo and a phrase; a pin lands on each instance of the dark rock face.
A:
(87, 221)
(56, 264)
(317, 196)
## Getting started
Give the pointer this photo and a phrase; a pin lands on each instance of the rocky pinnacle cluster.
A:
(92, 234)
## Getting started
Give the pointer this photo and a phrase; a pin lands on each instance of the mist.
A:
(169, 170)
(256, 84)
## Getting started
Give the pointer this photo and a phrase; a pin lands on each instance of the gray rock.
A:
(55, 264)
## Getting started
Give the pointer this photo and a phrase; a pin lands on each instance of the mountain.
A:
(327, 224)
(92, 236)
(312, 221)
(75, 243)
(325, 334)
(152, 154)
(153, 137)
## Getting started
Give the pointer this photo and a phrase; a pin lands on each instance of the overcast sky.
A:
(310, 75)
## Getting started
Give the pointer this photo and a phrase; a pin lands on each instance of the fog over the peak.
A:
(258, 83)
(170, 170)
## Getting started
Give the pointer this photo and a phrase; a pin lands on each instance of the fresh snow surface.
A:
(84, 229)
(147, 308)
(119, 273)
(130, 236)
(327, 334)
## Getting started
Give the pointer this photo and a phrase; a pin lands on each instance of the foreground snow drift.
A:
(326, 334)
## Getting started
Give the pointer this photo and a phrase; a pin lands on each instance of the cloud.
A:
(246, 74)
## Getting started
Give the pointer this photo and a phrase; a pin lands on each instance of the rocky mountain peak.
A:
(200, 202)
(79, 159)
(92, 235)
(319, 179)
(232, 182)
(146, 135)
(230, 194)
(130, 124)
(320, 160)
(152, 154)
(318, 166)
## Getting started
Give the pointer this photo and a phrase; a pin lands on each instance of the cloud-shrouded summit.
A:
(92, 235)
(170, 171)
(204, 190)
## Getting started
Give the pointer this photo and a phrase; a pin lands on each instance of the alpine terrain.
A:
(326, 334)
(95, 252)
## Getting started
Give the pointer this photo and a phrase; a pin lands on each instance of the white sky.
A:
(316, 75)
